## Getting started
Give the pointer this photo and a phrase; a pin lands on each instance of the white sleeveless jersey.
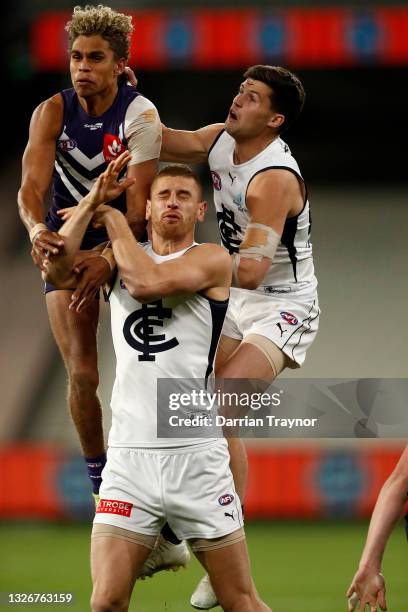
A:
(292, 266)
(174, 337)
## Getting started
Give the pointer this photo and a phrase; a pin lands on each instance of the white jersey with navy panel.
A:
(174, 337)
(292, 268)
(87, 144)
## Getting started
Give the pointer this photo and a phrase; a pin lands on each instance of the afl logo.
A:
(225, 500)
(216, 179)
(289, 318)
(67, 144)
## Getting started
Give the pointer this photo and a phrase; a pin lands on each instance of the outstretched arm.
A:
(368, 583)
(188, 147)
(204, 267)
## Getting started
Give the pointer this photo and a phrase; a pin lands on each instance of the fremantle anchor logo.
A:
(139, 334)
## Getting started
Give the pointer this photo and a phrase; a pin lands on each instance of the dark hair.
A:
(179, 170)
(287, 96)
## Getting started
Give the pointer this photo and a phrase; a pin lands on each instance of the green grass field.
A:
(297, 567)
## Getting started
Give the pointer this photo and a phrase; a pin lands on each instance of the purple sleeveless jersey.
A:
(84, 149)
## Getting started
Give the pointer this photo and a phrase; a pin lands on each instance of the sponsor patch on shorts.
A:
(289, 318)
(216, 179)
(114, 506)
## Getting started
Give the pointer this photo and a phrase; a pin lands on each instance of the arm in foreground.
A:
(59, 268)
(203, 267)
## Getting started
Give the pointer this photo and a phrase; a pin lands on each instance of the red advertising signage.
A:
(226, 38)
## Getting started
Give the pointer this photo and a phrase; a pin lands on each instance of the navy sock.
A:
(169, 535)
(95, 466)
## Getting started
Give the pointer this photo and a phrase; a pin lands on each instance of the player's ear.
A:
(202, 209)
(120, 66)
(148, 209)
(276, 121)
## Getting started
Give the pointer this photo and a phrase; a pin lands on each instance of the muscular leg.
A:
(246, 361)
(242, 360)
(115, 563)
(238, 457)
(75, 334)
(230, 576)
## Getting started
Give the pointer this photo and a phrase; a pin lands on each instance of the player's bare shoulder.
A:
(216, 260)
(287, 189)
(209, 135)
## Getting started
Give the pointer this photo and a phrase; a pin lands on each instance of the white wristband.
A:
(38, 227)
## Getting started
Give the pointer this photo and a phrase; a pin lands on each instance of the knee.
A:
(107, 601)
(83, 379)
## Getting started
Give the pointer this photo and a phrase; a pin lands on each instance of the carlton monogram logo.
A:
(139, 333)
(229, 230)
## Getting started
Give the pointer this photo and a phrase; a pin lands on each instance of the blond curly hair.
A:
(115, 28)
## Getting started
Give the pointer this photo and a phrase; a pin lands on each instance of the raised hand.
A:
(107, 187)
(131, 77)
(45, 242)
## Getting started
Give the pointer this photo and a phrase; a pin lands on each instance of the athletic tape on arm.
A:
(259, 241)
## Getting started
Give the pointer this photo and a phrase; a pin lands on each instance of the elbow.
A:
(139, 291)
(249, 283)
(50, 277)
(145, 287)
(251, 273)
(60, 278)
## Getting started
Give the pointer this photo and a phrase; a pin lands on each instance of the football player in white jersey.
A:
(368, 587)
(148, 479)
(264, 221)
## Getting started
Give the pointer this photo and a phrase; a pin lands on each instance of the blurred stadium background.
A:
(308, 501)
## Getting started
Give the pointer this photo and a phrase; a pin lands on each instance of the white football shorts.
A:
(289, 322)
(190, 487)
